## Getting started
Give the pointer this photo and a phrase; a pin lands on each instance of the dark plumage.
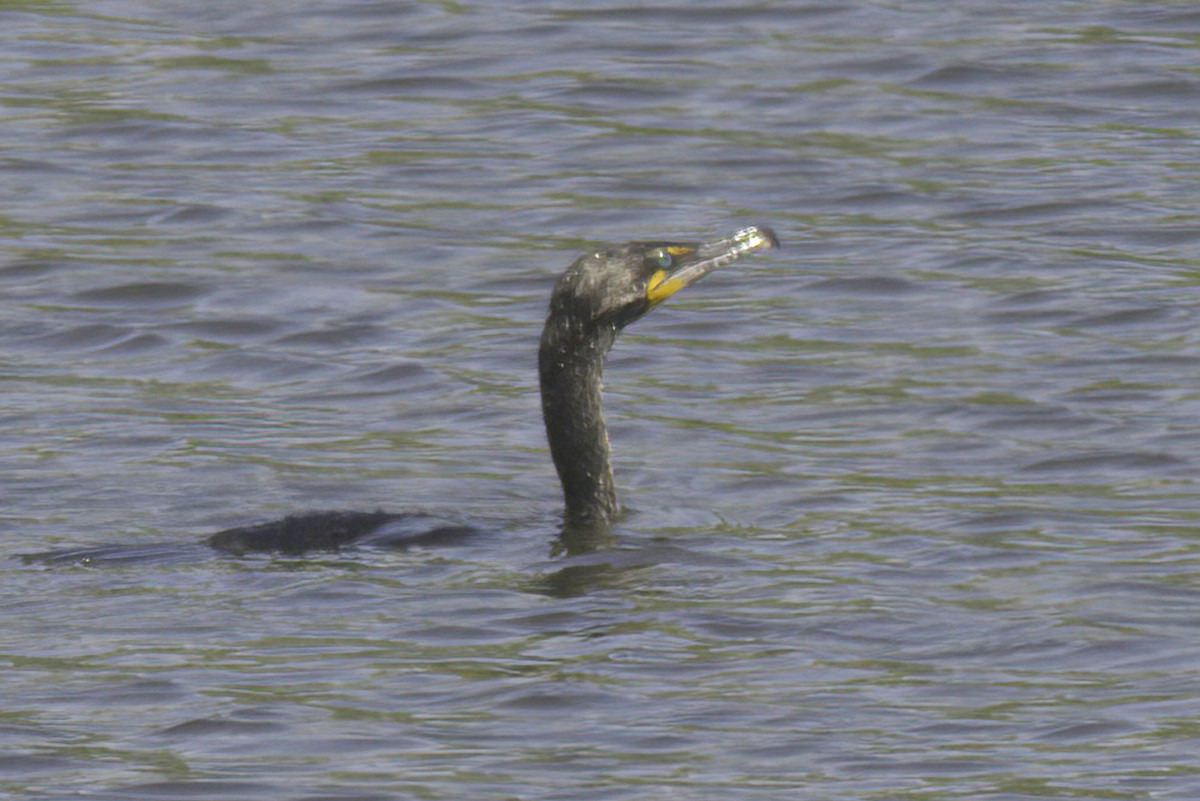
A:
(323, 530)
(597, 296)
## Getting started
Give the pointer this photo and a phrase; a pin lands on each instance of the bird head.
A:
(614, 286)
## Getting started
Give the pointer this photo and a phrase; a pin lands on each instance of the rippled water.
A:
(914, 500)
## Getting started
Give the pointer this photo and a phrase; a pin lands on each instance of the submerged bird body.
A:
(314, 531)
(597, 296)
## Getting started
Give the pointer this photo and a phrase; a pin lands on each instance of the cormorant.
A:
(597, 296)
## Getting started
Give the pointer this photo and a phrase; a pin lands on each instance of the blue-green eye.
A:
(662, 258)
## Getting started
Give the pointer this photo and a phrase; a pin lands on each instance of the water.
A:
(914, 500)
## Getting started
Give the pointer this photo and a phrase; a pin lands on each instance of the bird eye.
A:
(662, 258)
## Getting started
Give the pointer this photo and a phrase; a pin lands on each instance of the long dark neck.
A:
(571, 365)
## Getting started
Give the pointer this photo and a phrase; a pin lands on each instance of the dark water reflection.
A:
(913, 501)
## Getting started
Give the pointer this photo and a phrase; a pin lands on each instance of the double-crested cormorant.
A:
(598, 295)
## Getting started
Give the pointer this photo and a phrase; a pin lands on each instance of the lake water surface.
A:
(914, 506)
